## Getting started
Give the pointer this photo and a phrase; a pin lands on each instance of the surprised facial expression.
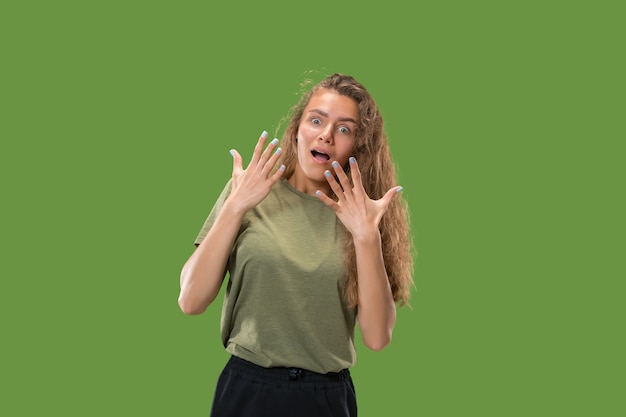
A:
(326, 133)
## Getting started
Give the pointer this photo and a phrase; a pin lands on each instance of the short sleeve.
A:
(217, 207)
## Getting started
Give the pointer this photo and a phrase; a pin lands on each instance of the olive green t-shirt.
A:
(283, 304)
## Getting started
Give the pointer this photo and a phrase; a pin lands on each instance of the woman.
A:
(312, 247)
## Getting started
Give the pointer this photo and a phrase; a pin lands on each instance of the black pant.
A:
(248, 390)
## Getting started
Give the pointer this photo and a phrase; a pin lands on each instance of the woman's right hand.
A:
(251, 185)
(204, 271)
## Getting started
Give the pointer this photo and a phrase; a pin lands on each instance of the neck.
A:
(306, 185)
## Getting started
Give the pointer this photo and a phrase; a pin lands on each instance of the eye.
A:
(344, 130)
(316, 121)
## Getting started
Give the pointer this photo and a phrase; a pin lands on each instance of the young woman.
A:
(314, 236)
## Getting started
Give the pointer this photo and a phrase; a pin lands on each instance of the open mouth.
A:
(320, 155)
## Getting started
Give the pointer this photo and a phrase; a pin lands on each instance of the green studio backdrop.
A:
(117, 119)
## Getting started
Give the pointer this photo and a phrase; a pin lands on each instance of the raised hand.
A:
(354, 208)
(251, 185)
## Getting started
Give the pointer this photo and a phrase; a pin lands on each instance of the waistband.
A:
(279, 374)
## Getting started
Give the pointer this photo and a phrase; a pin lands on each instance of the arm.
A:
(376, 309)
(203, 273)
(361, 217)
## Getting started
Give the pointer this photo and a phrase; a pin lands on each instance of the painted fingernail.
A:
(264, 134)
(318, 193)
(282, 168)
(327, 173)
(352, 160)
(335, 164)
(275, 141)
(279, 150)
(399, 190)
(232, 152)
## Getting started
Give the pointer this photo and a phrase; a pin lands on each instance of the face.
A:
(326, 133)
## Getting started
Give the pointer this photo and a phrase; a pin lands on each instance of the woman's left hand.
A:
(354, 208)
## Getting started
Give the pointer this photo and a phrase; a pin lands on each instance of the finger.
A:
(271, 163)
(237, 168)
(343, 179)
(334, 185)
(327, 200)
(276, 176)
(355, 172)
(388, 197)
(258, 149)
(266, 155)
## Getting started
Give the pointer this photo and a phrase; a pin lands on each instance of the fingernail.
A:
(352, 160)
(275, 141)
(282, 168)
(279, 150)
(335, 164)
(264, 134)
(399, 189)
(327, 173)
(232, 152)
(318, 193)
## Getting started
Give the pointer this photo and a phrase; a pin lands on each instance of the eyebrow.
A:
(341, 119)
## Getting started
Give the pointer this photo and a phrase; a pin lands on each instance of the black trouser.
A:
(248, 390)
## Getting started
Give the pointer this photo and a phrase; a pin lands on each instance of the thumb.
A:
(237, 166)
(389, 195)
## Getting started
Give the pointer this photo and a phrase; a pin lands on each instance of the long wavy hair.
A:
(378, 174)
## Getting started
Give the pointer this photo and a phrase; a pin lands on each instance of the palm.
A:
(355, 209)
(251, 185)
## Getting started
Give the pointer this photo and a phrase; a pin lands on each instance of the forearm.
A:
(203, 273)
(376, 309)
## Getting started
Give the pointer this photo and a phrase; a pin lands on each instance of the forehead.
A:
(334, 104)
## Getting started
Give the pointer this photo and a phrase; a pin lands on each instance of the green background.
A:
(506, 122)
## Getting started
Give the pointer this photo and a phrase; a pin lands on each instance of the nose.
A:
(326, 135)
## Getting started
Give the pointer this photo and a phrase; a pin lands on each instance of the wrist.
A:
(234, 207)
(367, 236)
